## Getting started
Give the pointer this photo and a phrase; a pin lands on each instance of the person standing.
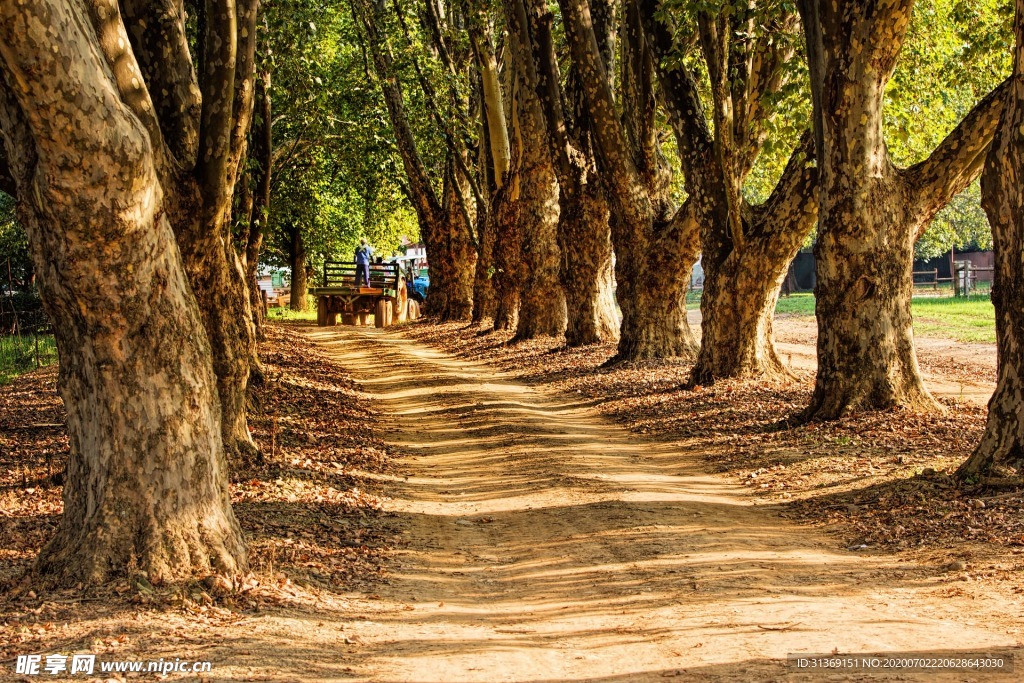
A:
(364, 252)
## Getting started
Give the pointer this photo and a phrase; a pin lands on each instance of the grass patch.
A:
(20, 354)
(284, 313)
(798, 303)
(965, 319)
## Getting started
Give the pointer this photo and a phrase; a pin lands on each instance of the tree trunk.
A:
(587, 271)
(871, 212)
(452, 257)
(651, 291)
(738, 307)
(1002, 445)
(483, 280)
(584, 236)
(542, 299)
(218, 281)
(299, 286)
(741, 285)
(146, 480)
(260, 217)
(655, 246)
(508, 264)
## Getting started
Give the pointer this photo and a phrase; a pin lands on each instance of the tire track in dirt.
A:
(544, 543)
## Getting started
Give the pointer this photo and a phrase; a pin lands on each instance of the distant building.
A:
(417, 252)
(275, 283)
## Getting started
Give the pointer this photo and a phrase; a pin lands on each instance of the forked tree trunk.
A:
(443, 226)
(655, 247)
(741, 285)
(202, 208)
(745, 249)
(1002, 445)
(146, 480)
(587, 270)
(584, 236)
(871, 212)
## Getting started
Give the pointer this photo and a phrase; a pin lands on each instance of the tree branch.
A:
(621, 177)
(114, 41)
(245, 73)
(156, 30)
(494, 108)
(958, 159)
(794, 200)
(549, 92)
(767, 60)
(220, 53)
(679, 88)
(639, 103)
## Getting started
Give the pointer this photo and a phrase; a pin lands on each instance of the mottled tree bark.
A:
(587, 270)
(871, 212)
(146, 480)
(1002, 189)
(508, 266)
(542, 309)
(741, 285)
(584, 235)
(745, 249)
(655, 244)
(200, 138)
(483, 291)
(263, 155)
(450, 296)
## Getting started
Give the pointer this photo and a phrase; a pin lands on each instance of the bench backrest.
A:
(343, 273)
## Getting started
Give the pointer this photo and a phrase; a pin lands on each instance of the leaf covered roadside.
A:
(880, 480)
(312, 520)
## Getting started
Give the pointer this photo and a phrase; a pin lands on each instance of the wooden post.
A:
(321, 311)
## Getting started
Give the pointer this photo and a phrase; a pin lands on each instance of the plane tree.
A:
(115, 162)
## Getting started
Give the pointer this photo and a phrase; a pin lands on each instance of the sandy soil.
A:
(544, 543)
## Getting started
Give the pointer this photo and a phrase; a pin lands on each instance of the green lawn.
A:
(965, 319)
(19, 354)
(285, 313)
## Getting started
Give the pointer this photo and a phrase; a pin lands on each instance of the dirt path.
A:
(543, 543)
